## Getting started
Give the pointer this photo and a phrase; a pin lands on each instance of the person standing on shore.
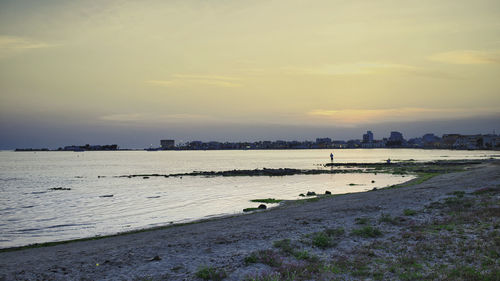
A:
(331, 157)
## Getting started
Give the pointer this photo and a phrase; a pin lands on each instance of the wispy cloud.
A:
(349, 117)
(181, 80)
(467, 57)
(358, 68)
(10, 45)
(154, 118)
(366, 68)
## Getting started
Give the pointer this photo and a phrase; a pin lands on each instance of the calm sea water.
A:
(32, 213)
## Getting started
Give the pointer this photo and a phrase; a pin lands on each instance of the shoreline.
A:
(223, 242)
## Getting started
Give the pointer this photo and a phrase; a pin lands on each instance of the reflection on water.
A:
(51, 196)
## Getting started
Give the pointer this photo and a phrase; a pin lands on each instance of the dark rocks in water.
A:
(106, 196)
(261, 207)
(155, 258)
(255, 172)
(311, 193)
(302, 195)
(59, 188)
(38, 192)
(145, 177)
(328, 192)
(374, 189)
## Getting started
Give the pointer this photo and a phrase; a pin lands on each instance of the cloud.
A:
(467, 57)
(153, 118)
(351, 117)
(11, 45)
(183, 80)
(358, 68)
(367, 68)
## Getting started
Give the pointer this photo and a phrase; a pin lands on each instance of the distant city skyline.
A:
(138, 140)
(133, 72)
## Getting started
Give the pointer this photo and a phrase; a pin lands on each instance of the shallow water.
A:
(32, 213)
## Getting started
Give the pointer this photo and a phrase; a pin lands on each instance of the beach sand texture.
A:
(224, 243)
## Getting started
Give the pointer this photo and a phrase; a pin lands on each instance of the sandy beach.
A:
(233, 247)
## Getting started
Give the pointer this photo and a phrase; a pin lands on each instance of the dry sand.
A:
(225, 242)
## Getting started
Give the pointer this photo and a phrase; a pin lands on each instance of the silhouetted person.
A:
(331, 157)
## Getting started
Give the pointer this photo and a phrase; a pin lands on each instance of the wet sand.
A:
(176, 253)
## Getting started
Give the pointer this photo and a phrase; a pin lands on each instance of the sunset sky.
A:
(132, 72)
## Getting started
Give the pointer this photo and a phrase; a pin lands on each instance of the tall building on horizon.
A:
(396, 136)
(167, 144)
(368, 137)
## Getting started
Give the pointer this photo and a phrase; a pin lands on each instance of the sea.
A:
(57, 196)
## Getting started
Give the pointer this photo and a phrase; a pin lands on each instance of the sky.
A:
(135, 72)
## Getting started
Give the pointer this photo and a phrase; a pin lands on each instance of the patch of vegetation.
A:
(304, 270)
(386, 218)
(362, 221)
(252, 258)
(268, 200)
(367, 232)
(268, 257)
(272, 276)
(421, 177)
(305, 255)
(409, 212)
(322, 240)
(285, 246)
(458, 194)
(210, 273)
(325, 239)
(471, 273)
(144, 278)
(487, 190)
(335, 232)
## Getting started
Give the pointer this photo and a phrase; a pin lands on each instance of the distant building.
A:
(323, 142)
(491, 141)
(214, 145)
(448, 140)
(368, 137)
(416, 142)
(395, 139)
(353, 143)
(167, 144)
(339, 144)
(431, 141)
(396, 136)
(468, 142)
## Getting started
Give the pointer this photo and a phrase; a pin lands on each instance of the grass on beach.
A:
(210, 273)
(457, 238)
